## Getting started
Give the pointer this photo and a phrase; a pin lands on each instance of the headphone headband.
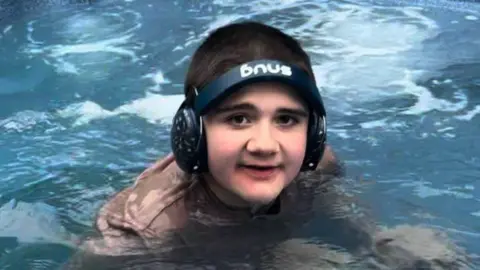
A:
(258, 71)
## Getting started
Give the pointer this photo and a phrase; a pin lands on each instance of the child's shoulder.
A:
(136, 207)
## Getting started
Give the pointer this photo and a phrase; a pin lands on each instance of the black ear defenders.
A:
(188, 140)
(187, 132)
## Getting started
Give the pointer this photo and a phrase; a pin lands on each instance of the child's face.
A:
(263, 125)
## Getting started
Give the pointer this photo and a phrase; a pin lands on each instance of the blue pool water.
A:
(87, 93)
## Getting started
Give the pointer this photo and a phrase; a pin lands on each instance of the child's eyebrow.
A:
(295, 111)
(235, 107)
(301, 112)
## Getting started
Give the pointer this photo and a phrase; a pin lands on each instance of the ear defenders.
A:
(187, 134)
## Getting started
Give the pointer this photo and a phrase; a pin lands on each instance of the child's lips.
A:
(260, 172)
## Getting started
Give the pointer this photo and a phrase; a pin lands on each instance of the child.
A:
(251, 127)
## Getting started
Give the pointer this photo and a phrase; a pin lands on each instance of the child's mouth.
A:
(259, 172)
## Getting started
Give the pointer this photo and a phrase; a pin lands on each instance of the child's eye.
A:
(238, 120)
(287, 120)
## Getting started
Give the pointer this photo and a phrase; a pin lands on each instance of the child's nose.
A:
(263, 141)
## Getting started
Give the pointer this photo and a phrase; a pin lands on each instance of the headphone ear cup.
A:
(185, 138)
(316, 138)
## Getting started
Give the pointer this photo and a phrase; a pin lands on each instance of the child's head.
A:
(238, 43)
(256, 134)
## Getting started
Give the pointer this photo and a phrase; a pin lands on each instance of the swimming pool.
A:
(87, 93)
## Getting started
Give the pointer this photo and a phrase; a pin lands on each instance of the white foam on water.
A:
(260, 6)
(470, 114)
(443, 5)
(33, 223)
(471, 18)
(385, 124)
(86, 45)
(427, 102)
(368, 52)
(154, 108)
(424, 190)
(158, 79)
(255, 8)
(84, 112)
(374, 123)
(7, 29)
(25, 120)
(361, 53)
(445, 129)
(340, 132)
